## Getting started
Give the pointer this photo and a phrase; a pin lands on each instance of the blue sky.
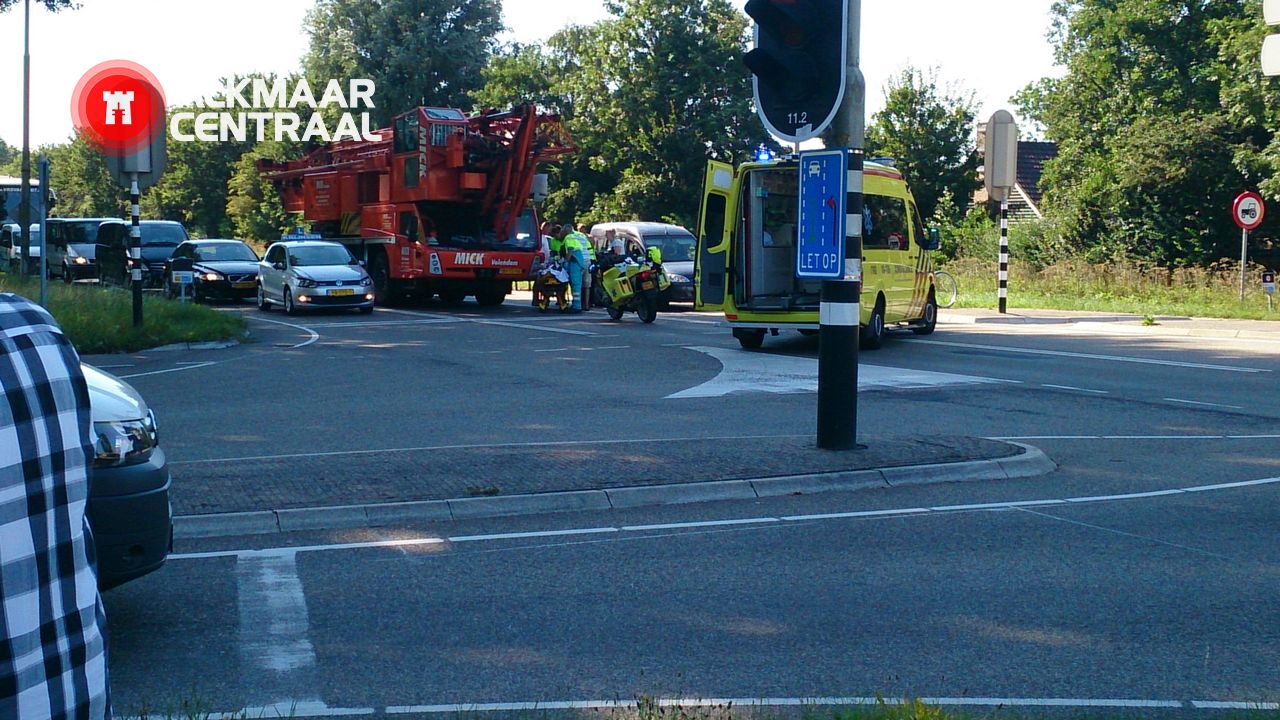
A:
(990, 47)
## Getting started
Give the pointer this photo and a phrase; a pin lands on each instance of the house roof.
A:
(1031, 159)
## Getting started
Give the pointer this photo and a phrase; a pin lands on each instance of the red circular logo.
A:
(118, 107)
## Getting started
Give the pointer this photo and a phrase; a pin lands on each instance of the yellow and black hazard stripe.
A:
(923, 282)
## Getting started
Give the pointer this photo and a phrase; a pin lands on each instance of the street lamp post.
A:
(24, 206)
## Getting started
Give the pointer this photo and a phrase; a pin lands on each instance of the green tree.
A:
(78, 174)
(649, 94)
(1160, 118)
(52, 5)
(253, 205)
(416, 51)
(929, 135)
(8, 153)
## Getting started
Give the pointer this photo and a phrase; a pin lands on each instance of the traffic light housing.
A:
(799, 63)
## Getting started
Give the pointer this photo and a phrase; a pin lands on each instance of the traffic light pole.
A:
(840, 315)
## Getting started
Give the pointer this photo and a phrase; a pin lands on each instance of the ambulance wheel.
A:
(930, 320)
(615, 314)
(749, 339)
(873, 333)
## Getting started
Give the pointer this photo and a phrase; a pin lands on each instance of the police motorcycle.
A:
(632, 284)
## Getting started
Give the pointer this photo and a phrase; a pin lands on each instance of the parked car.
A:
(299, 274)
(77, 238)
(224, 269)
(676, 243)
(128, 508)
(159, 239)
(11, 245)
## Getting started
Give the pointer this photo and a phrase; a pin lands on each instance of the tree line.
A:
(1161, 117)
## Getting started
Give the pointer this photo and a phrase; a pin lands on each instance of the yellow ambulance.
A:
(746, 258)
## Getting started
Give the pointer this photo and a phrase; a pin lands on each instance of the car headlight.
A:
(81, 260)
(366, 281)
(210, 277)
(306, 282)
(124, 442)
(677, 277)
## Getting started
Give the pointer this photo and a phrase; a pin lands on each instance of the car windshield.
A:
(310, 255)
(222, 252)
(73, 231)
(675, 248)
(162, 234)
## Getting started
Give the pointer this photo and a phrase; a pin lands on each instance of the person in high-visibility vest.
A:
(576, 250)
(587, 279)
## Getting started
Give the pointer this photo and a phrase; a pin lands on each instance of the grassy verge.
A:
(1122, 288)
(100, 319)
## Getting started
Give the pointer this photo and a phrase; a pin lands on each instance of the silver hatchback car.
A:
(301, 274)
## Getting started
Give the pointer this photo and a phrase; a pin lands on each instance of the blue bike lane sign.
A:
(824, 184)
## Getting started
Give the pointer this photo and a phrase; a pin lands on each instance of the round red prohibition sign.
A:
(1248, 210)
(118, 107)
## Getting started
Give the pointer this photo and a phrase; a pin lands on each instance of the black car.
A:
(78, 238)
(222, 269)
(159, 239)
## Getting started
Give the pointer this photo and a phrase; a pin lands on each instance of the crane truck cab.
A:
(746, 256)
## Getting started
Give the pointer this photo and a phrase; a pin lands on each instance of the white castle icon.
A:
(119, 102)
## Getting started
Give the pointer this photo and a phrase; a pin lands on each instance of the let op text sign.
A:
(824, 184)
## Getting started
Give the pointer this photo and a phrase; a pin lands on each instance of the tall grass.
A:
(1122, 287)
(100, 319)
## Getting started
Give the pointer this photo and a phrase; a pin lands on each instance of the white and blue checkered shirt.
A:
(53, 661)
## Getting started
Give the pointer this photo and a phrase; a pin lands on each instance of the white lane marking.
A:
(312, 337)
(291, 709)
(758, 372)
(534, 534)
(911, 511)
(584, 349)
(480, 446)
(1233, 705)
(1089, 356)
(171, 370)
(1022, 438)
(551, 350)
(530, 326)
(385, 323)
(1133, 536)
(273, 614)
(113, 367)
(1076, 389)
(1204, 404)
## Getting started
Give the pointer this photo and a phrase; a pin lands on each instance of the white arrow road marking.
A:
(758, 372)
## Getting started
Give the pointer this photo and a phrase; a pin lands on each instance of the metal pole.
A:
(24, 208)
(135, 249)
(840, 313)
(1244, 255)
(1004, 253)
(44, 232)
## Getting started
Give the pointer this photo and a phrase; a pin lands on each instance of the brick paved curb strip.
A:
(1030, 463)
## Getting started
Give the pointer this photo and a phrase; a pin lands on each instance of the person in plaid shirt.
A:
(53, 660)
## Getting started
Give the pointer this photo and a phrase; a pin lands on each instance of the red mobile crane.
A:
(438, 205)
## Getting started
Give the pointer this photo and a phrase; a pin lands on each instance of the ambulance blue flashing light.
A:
(764, 154)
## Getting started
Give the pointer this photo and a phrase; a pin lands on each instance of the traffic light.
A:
(798, 63)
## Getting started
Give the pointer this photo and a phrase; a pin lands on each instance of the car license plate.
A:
(342, 291)
(646, 285)
(245, 285)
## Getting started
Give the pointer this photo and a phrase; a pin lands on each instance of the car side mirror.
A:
(277, 265)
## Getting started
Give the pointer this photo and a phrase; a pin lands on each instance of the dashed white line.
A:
(1077, 389)
(1027, 438)
(1204, 404)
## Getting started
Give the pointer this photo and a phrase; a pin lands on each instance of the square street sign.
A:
(824, 185)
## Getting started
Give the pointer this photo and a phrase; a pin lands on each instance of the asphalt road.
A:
(1067, 586)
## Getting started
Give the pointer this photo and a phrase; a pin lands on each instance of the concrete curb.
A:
(1031, 462)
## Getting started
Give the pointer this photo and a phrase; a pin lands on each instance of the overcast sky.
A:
(990, 47)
